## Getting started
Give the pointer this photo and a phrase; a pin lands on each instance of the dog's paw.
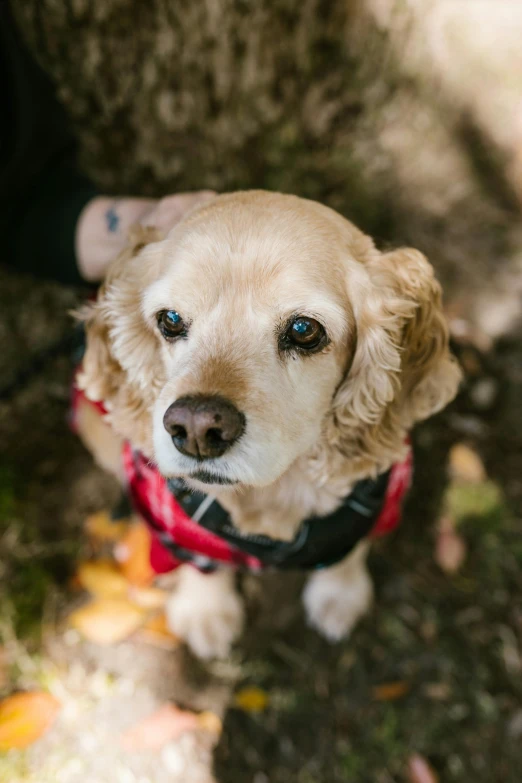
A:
(209, 620)
(335, 604)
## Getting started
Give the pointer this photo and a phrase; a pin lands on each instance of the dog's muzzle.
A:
(203, 426)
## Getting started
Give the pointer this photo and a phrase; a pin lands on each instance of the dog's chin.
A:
(209, 487)
(208, 479)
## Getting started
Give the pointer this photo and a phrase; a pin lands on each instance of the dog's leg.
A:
(206, 611)
(336, 598)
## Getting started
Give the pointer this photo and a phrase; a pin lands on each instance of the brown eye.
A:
(171, 324)
(305, 333)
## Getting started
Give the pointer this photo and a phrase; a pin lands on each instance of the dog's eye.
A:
(305, 333)
(171, 324)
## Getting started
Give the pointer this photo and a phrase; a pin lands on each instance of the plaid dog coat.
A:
(190, 527)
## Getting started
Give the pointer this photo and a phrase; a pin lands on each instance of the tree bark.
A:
(359, 105)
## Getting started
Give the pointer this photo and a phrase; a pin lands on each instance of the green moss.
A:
(352, 766)
(481, 504)
(7, 495)
(29, 586)
(25, 579)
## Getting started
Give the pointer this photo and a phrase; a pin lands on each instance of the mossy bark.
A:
(311, 97)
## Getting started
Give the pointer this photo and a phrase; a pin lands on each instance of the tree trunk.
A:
(377, 108)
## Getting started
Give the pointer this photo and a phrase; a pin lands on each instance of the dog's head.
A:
(263, 326)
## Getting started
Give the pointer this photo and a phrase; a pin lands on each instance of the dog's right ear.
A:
(110, 362)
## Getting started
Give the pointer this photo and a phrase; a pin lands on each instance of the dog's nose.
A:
(203, 426)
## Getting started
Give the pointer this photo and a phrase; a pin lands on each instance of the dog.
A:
(265, 359)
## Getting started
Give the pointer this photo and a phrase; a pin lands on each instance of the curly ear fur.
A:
(402, 370)
(118, 367)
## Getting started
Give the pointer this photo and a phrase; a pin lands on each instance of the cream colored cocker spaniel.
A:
(269, 355)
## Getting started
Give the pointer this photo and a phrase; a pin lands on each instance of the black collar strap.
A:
(319, 542)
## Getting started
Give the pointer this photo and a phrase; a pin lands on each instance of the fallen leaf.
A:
(102, 579)
(251, 699)
(107, 620)
(464, 500)
(437, 691)
(148, 597)
(450, 547)
(133, 555)
(419, 771)
(209, 721)
(161, 727)
(466, 465)
(102, 527)
(155, 631)
(390, 691)
(24, 717)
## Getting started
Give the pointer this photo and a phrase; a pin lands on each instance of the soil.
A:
(450, 643)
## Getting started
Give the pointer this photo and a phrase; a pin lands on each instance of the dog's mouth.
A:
(211, 478)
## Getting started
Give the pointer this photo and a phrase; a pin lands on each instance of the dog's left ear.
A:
(430, 375)
(402, 370)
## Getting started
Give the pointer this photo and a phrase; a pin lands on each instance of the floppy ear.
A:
(119, 367)
(402, 370)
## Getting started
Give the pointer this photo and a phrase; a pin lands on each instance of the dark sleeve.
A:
(41, 191)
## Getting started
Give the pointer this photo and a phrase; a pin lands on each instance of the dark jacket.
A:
(41, 191)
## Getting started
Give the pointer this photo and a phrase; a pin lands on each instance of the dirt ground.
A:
(452, 643)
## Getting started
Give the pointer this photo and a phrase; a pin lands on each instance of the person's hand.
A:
(168, 211)
(104, 224)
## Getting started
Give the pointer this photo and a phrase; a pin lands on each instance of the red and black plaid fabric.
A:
(177, 538)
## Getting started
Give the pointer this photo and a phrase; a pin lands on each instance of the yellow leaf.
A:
(133, 555)
(103, 528)
(102, 579)
(148, 597)
(107, 620)
(466, 465)
(209, 721)
(390, 691)
(24, 717)
(251, 699)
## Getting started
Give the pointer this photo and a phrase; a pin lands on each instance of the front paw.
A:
(209, 620)
(334, 604)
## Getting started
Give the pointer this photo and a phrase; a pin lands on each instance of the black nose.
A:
(203, 427)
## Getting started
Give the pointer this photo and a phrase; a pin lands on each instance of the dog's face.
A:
(254, 329)
(260, 325)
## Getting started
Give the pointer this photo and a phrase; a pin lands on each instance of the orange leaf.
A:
(102, 579)
(148, 597)
(107, 620)
(156, 631)
(419, 771)
(133, 555)
(390, 691)
(157, 729)
(251, 699)
(103, 528)
(24, 717)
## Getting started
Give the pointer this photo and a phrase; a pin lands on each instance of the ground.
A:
(446, 646)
